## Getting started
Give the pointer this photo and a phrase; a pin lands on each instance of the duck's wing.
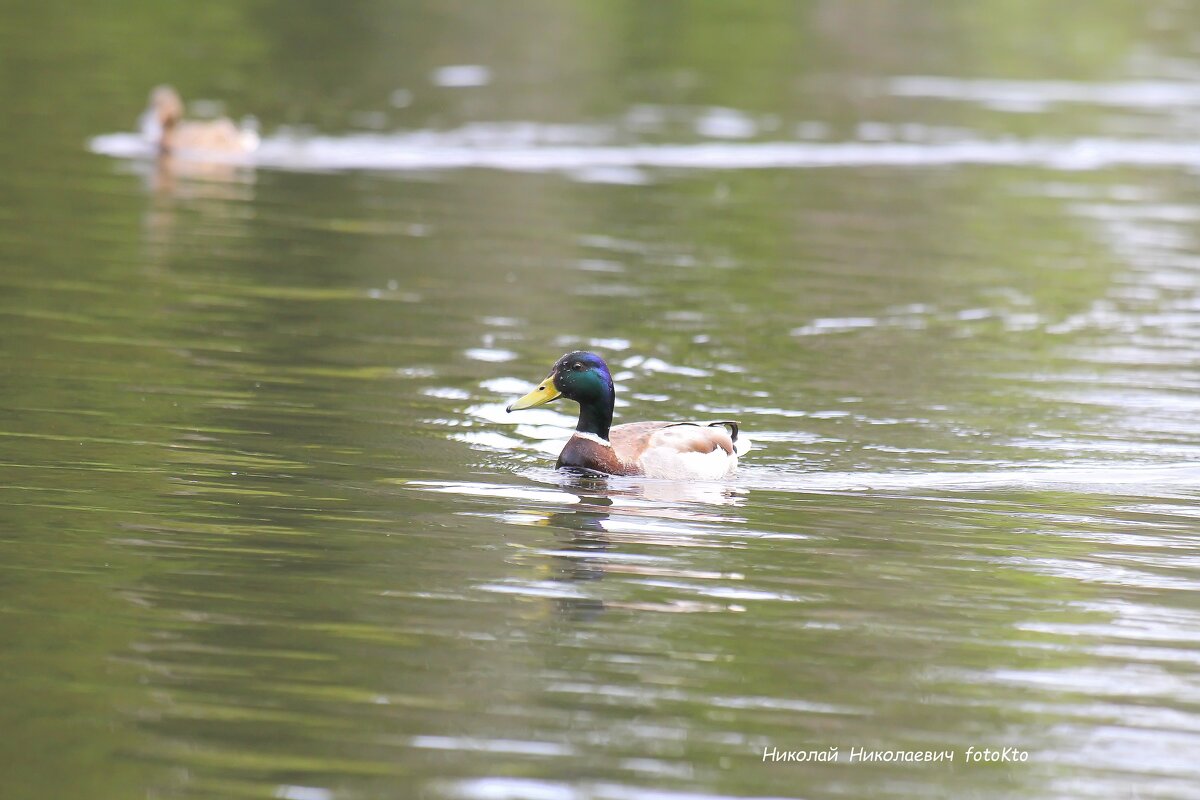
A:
(679, 449)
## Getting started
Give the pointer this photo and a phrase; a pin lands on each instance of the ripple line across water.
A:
(409, 152)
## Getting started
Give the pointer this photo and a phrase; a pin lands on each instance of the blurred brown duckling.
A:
(164, 126)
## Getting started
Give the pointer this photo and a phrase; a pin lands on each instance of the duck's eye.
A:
(577, 366)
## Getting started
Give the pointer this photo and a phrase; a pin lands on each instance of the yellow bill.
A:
(544, 393)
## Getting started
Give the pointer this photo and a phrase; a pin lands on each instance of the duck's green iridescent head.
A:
(580, 376)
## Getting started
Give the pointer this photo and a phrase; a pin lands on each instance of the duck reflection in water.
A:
(582, 537)
(588, 534)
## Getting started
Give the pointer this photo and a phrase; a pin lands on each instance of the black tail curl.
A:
(728, 423)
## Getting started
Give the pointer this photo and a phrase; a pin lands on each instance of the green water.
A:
(267, 531)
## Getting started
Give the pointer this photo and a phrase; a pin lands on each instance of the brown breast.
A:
(584, 453)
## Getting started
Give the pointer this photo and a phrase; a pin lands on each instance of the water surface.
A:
(268, 531)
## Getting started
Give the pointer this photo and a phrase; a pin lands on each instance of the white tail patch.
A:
(673, 453)
(664, 462)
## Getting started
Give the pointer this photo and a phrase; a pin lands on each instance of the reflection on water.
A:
(618, 151)
(190, 179)
(269, 533)
(430, 150)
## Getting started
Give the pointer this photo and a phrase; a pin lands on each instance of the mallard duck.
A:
(163, 124)
(654, 449)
